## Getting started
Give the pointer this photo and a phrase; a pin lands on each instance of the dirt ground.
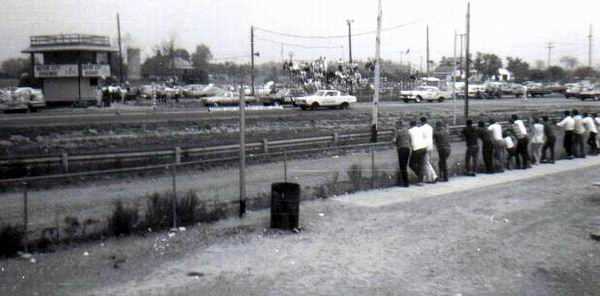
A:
(519, 236)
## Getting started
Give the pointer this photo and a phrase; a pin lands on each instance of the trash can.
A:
(285, 205)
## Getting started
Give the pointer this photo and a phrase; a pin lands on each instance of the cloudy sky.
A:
(507, 27)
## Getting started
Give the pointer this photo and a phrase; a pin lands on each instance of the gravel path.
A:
(524, 235)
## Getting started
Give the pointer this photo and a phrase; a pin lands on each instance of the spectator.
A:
(578, 136)
(590, 127)
(511, 150)
(419, 149)
(442, 143)
(429, 173)
(522, 141)
(471, 157)
(537, 141)
(568, 125)
(487, 150)
(549, 141)
(499, 145)
(403, 147)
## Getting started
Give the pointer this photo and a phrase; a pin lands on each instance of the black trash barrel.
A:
(285, 205)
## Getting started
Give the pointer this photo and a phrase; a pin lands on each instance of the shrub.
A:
(186, 208)
(123, 220)
(355, 175)
(159, 211)
(11, 240)
(72, 226)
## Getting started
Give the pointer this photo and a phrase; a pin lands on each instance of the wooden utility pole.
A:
(468, 61)
(427, 57)
(252, 59)
(120, 50)
(375, 114)
(590, 39)
(350, 50)
(550, 47)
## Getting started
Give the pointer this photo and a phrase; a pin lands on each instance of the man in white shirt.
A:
(419, 149)
(578, 136)
(429, 174)
(522, 142)
(499, 145)
(568, 125)
(590, 127)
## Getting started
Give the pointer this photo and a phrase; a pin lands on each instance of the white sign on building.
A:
(50, 71)
(93, 70)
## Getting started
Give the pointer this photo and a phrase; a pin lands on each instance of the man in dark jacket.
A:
(442, 143)
(403, 147)
(550, 140)
(471, 157)
(485, 136)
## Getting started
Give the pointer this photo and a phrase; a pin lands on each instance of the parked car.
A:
(193, 90)
(537, 89)
(22, 99)
(325, 98)
(573, 90)
(424, 93)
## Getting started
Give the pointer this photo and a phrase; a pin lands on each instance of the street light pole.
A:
(120, 50)
(377, 76)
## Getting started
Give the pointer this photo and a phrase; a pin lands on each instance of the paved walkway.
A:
(458, 184)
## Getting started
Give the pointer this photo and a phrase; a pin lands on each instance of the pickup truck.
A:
(325, 98)
(424, 93)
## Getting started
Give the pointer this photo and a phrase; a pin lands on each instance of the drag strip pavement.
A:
(390, 196)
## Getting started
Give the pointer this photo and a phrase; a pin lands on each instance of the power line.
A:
(333, 36)
(298, 45)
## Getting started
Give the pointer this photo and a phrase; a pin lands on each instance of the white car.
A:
(325, 98)
(22, 99)
(424, 93)
(227, 98)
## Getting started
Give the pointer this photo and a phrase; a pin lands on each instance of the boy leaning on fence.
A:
(402, 141)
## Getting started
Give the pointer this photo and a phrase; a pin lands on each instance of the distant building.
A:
(70, 65)
(134, 64)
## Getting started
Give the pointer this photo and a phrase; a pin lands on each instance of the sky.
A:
(519, 28)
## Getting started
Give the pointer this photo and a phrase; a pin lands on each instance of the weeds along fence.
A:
(38, 219)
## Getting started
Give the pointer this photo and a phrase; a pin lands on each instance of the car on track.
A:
(325, 98)
(25, 99)
(283, 96)
(227, 98)
(424, 93)
(590, 93)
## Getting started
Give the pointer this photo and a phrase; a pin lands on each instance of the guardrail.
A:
(214, 154)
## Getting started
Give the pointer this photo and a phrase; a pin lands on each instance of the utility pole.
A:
(349, 22)
(377, 76)
(454, 83)
(427, 57)
(468, 61)
(462, 50)
(550, 47)
(252, 59)
(120, 50)
(590, 38)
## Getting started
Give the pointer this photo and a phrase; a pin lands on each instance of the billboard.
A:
(93, 70)
(53, 71)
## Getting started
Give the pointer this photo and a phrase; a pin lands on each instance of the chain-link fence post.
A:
(25, 215)
(174, 177)
(373, 173)
(285, 166)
